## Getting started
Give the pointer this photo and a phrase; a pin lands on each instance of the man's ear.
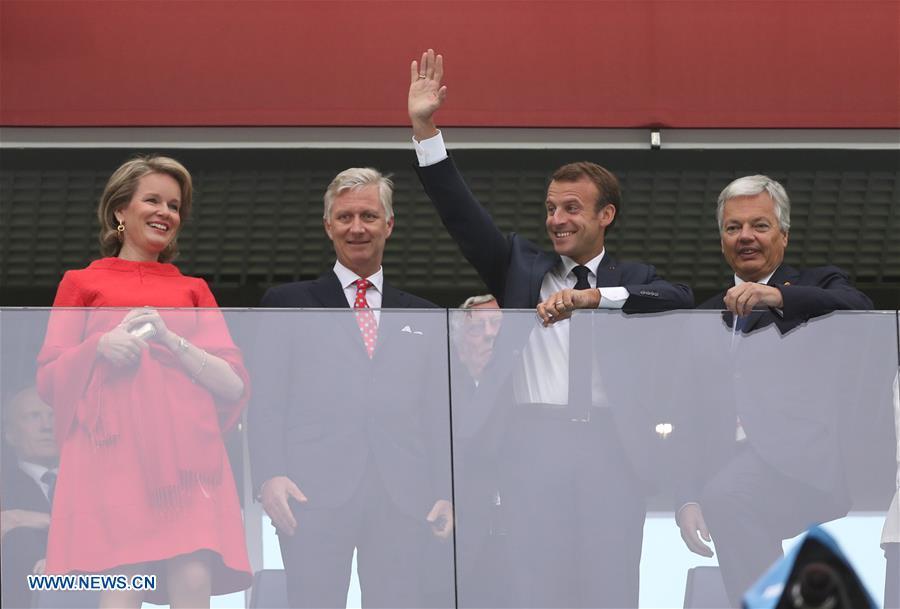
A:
(390, 225)
(607, 214)
(327, 226)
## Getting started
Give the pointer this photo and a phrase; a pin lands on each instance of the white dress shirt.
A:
(348, 278)
(36, 472)
(543, 377)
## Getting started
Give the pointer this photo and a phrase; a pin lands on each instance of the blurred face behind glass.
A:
(752, 240)
(480, 327)
(151, 218)
(359, 229)
(28, 429)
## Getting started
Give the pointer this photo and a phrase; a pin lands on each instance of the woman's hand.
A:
(146, 315)
(121, 348)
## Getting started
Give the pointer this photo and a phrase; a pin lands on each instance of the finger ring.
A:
(421, 76)
(559, 303)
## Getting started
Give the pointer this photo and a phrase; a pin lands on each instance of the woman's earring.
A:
(121, 230)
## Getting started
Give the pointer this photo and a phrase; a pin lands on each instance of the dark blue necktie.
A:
(582, 272)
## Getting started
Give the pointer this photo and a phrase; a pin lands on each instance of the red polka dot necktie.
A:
(365, 318)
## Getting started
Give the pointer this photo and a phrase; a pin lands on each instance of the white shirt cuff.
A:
(613, 298)
(430, 151)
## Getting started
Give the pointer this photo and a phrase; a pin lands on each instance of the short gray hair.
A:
(356, 178)
(750, 186)
(456, 319)
(474, 301)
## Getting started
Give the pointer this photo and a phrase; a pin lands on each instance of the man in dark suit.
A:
(27, 489)
(576, 506)
(767, 469)
(349, 431)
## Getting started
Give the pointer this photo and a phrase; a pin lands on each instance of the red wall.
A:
(668, 63)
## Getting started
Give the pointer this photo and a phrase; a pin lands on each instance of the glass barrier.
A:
(443, 458)
(568, 477)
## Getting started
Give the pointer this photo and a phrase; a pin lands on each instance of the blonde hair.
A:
(120, 189)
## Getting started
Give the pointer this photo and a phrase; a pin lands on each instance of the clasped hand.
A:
(741, 299)
(121, 347)
(561, 304)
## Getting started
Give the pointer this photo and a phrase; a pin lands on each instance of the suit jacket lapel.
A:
(389, 324)
(783, 275)
(607, 272)
(543, 264)
(327, 290)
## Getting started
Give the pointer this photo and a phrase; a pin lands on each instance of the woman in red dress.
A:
(141, 398)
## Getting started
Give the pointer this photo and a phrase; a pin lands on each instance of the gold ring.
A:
(422, 76)
(559, 302)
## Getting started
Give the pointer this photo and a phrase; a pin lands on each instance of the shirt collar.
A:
(568, 264)
(34, 470)
(763, 281)
(346, 277)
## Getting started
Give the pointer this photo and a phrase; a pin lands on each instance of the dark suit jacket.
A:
(323, 411)
(513, 268)
(787, 403)
(807, 293)
(22, 547)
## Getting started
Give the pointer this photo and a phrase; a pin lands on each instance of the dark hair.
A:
(606, 182)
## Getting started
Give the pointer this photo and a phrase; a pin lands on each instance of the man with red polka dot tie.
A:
(343, 441)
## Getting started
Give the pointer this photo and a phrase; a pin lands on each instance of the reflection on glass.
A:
(352, 452)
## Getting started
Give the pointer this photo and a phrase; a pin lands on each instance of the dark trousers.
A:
(574, 513)
(892, 576)
(392, 551)
(750, 508)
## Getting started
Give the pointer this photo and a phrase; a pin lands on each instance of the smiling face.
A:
(752, 240)
(359, 229)
(576, 227)
(151, 218)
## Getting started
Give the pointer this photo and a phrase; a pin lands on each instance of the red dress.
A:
(143, 474)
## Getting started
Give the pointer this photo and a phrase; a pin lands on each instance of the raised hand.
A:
(426, 93)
